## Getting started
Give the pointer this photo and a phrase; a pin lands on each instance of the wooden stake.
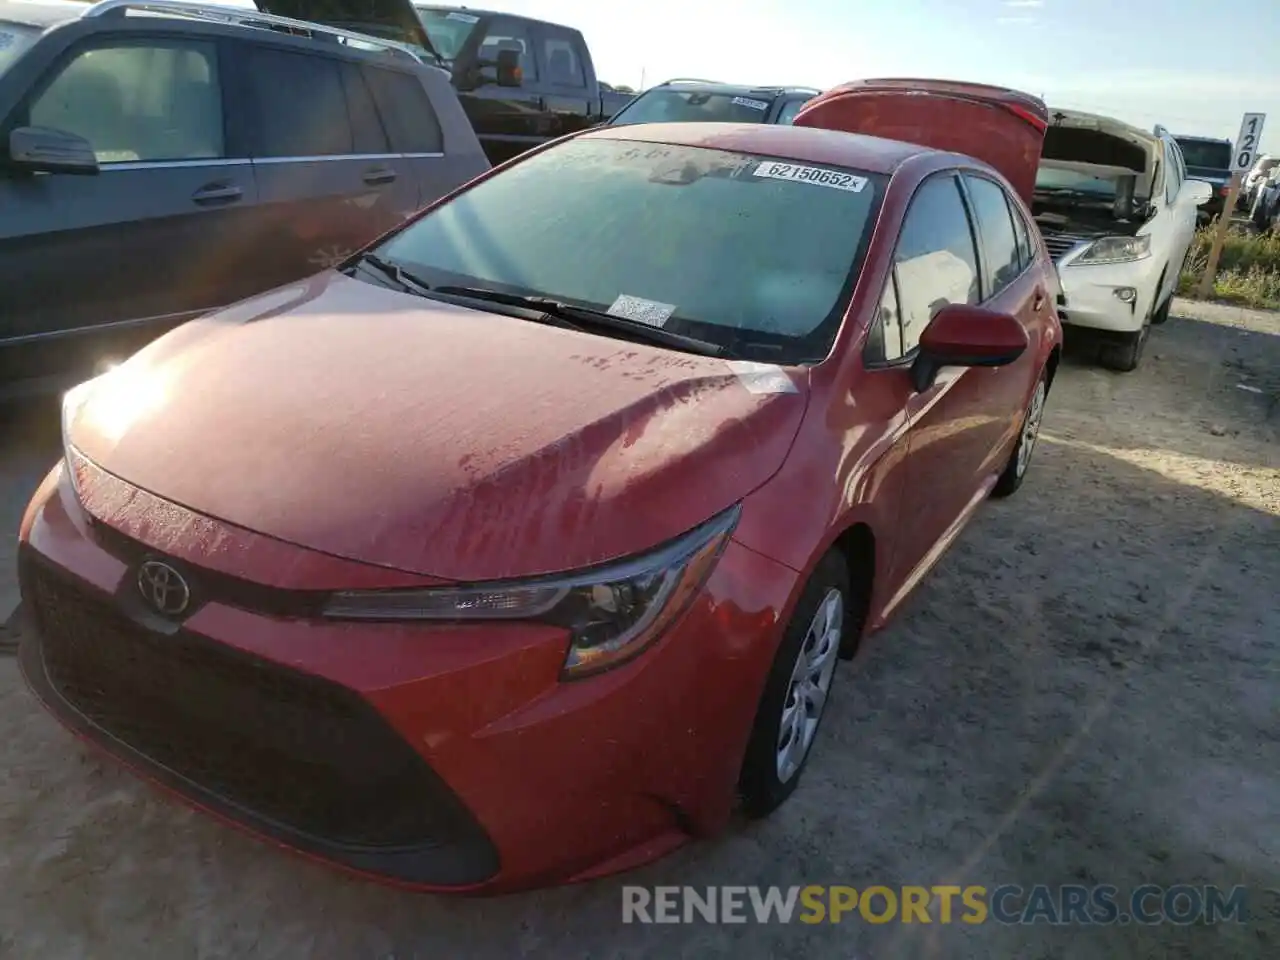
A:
(1219, 238)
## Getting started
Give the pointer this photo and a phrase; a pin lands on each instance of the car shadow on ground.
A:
(1082, 693)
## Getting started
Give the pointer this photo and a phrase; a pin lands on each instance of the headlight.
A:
(612, 612)
(1115, 250)
(73, 402)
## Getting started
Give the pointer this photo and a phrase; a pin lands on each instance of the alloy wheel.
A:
(1031, 428)
(810, 683)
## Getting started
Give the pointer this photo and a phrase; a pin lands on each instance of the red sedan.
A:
(524, 545)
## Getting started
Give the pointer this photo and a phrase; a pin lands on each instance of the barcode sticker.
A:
(648, 312)
(818, 176)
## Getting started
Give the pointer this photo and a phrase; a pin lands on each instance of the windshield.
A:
(678, 106)
(447, 29)
(1050, 178)
(755, 255)
(1215, 156)
(14, 40)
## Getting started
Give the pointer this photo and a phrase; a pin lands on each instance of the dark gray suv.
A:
(158, 161)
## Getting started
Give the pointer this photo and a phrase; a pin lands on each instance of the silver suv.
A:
(159, 160)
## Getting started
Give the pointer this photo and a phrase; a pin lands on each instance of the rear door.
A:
(155, 236)
(1001, 127)
(417, 136)
(566, 93)
(328, 181)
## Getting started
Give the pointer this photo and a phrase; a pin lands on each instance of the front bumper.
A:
(1090, 299)
(447, 758)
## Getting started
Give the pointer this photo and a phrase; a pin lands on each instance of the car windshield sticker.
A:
(6, 40)
(464, 17)
(762, 377)
(815, 175)
(642, 311)
(753, 104)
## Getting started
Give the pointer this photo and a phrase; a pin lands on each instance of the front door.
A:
(992, 401)
(152, 238)
(935, 263)
(508, 120)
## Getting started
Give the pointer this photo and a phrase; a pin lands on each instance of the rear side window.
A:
(560, 54)
(935, 262)
(995, 226)
(301, 105)
(406, 111)
(138, 102)
(1023, 237)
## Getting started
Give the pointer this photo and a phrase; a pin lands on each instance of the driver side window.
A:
(139, 102)
(509, 35)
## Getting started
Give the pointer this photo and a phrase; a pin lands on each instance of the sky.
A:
(1191, 65)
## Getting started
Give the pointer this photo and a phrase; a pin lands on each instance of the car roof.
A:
(735, 89)
(42, 13)
(1198, 139)
(802, 144)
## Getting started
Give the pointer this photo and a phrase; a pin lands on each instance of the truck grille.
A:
(299, 752)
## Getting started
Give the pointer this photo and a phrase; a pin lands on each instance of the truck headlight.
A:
(612, 612)
(1115, 250)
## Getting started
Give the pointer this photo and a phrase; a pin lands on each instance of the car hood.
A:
(448, 442)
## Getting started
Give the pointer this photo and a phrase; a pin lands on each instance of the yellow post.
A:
(1219, 238)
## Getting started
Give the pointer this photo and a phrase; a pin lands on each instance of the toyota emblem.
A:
(164, 588)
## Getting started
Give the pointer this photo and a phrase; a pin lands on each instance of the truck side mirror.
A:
(509, 72)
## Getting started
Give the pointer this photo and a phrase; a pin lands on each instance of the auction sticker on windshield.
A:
(753, 104)
(835, 179)
(462, 17)
(644, 311)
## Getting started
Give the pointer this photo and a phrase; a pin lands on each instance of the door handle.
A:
(217, 193)
(381, 175)
(1037, 301)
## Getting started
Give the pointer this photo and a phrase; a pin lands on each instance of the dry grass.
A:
(1248, 273)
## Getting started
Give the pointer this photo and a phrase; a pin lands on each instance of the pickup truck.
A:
(521, 81)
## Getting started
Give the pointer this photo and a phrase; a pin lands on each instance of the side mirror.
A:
(963, 336)
(509, 72)
(46, 150)
(1198, 191)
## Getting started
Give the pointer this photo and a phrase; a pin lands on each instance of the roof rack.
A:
(252, 18)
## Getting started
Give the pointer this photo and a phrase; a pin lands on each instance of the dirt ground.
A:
(1086, 691)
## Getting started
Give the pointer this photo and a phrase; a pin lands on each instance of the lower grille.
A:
(297, 751)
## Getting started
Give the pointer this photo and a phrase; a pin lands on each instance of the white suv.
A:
(1118, 215)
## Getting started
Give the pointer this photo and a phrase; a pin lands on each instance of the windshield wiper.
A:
(397, 274)
(588, 317)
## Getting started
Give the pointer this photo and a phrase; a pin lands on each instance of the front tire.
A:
(1125, 354)
(797, 689)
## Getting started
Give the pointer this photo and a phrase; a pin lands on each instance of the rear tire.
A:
(1015, 471)
(797, 689)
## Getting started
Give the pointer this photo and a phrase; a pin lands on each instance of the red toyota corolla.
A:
(522, 547)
